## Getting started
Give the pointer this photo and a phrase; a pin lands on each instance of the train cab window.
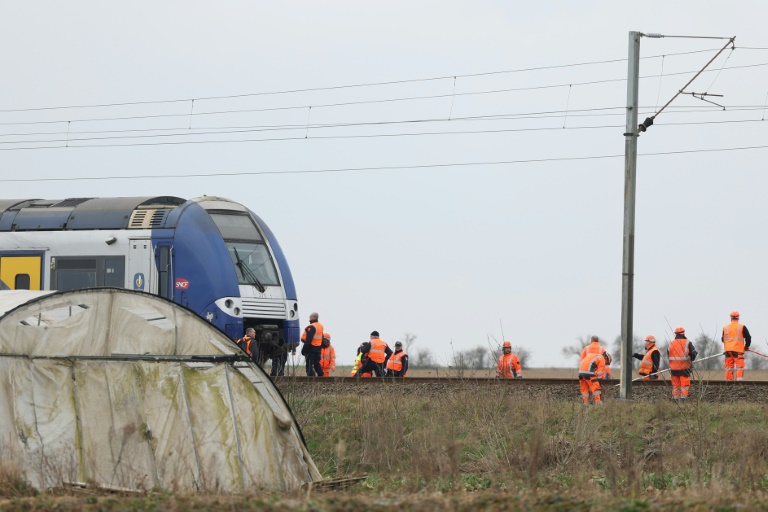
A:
(248, 250)
(22, 282)
(252, 262)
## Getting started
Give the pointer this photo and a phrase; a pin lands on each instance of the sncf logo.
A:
(182, 284)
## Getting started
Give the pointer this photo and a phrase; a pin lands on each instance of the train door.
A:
(140, 266)
(22, 272)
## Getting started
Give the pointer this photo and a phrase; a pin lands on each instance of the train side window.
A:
(75, 279)
(76, 273)
(163, 271)
(22, 282)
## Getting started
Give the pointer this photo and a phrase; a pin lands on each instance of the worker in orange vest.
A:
(327, 355)
(591, 371)
(649, 362)
(312, 338)
(736, 340)
(595, 347)
(508, 366)
(248, 344)
(397, 364)
(378, 352)
(681, 354)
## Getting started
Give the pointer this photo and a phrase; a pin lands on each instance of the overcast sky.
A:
(449, 253)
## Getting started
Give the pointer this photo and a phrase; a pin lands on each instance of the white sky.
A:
(445, 253)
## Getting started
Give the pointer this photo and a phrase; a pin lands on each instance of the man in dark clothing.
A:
(649, 362)
(378, 353)
(397, 364)
(248, 344)
(312, 337)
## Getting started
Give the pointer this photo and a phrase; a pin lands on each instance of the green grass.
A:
(465, 441)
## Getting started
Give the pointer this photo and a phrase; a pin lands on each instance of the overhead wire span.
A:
(380, 168)
(343, 86)
(360, 102)
(691, 109)
(69, 140)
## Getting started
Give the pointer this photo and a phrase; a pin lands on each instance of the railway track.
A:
(559, 389)
(496, 382)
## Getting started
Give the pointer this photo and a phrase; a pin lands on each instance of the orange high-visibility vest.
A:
(507, 363)
(646, 365)
(733, 337)
(377, 353)
(245, 344)
(679, 356)
(327, 359)
(593, 348)
(317, 339)
(395, 362)
(592, 365)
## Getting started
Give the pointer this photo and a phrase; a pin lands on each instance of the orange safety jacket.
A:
(377, 354)
(317, 339)
(592, 367)
(679, 355)
(594, 347)
(328, 359)
(245, 344)
(395, 362)
(733, 337)
(646, 365)
(508, 366)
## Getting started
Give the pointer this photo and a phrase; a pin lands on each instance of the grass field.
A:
(464, 450)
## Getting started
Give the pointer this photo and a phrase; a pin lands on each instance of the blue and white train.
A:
(209, 254)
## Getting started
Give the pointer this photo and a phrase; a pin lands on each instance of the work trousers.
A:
(313, 361)
(279, 359)
(680, 386)
(734, 363)
(591, 385)
(371, 366)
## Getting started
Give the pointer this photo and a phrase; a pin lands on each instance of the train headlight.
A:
(228, 304)
(237, 311)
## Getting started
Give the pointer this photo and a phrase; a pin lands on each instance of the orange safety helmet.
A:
(507, 344)
(326, 336)
(679, 330)
(651, 338)
(734, 314)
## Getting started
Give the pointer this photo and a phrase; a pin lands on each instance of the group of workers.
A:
(595, 361)
(375, 357)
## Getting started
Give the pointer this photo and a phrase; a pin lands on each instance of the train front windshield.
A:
(248, 250)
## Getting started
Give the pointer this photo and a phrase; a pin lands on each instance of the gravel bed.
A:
(716, 392)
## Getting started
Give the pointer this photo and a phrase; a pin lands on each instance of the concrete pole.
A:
(630, 175)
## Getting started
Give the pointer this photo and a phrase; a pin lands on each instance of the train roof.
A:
(86, 213)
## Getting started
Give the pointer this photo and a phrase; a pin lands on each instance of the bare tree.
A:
(706, 347)
(424, 359)
(409, 340)
(523, 354)
(472, 359)
(638, 347)
(575, 350)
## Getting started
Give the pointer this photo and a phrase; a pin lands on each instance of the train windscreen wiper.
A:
(248, 273)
